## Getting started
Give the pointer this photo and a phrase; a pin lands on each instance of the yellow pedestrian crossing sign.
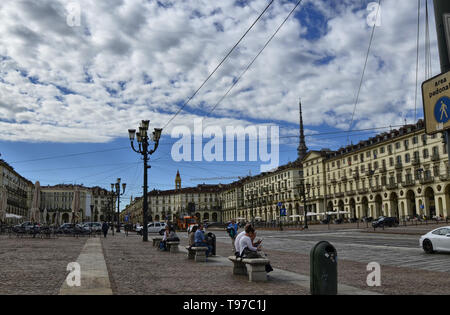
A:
(436, 103)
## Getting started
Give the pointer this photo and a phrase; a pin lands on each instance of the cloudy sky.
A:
(67, 89)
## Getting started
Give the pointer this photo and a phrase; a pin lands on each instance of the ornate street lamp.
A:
(143, 144)
(117, 194)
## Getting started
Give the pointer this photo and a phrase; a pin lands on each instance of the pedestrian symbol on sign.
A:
(441, 110)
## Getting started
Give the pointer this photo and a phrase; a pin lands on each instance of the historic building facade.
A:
(18, 190)
(95, 203)
(402, 173)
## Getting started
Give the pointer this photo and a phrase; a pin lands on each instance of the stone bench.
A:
(156, 241)
(197, 253)
(255, 268)
(172, 246)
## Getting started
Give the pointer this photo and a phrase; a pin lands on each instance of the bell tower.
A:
(178, 181)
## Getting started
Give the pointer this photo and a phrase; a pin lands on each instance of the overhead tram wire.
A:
(364, 70)
(218, 66)
(67, 155)
(254, 59)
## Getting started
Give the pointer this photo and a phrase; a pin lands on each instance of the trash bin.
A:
(212, 241)
(323, 269)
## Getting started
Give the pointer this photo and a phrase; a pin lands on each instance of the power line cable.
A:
(364, 68)
(254, 59)
(218, 66)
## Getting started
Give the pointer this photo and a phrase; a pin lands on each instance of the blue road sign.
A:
(280, 204)
(126, 218)
(441, 110)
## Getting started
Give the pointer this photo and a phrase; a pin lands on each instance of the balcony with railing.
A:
(416, 162)
(435, 157)
(383, 169)
(350, 193)
(339, 195)
(408, 182)
(392, 186)
(398, 165)
(427, 180)
(376, 188)
(363, 191)
(344, 178)
(446, 175)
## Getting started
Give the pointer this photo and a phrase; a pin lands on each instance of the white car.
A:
(93, 226)
(157, 227)
(154, 227)
(437, 240)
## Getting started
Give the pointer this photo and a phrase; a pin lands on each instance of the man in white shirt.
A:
(246, 241)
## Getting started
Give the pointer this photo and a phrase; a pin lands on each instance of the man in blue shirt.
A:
(200, 241)
(232, 230)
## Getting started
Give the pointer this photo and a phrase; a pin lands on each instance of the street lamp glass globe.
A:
(143, 132)
(157, 134)
(145, 124)
(131, 134)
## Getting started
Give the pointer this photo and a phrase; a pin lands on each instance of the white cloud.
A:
(134, 59)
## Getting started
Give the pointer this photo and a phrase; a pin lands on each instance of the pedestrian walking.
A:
(105, 228)
(232, 230)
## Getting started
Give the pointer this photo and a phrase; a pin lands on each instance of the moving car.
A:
(437, 240)
(385, 221)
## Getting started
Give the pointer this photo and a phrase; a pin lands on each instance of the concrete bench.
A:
(255, 268)
(173, 246)
(156, 241)
(197, 253)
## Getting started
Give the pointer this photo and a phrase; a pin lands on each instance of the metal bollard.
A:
(323, 269)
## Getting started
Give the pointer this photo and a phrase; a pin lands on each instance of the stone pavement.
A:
(291, 277)
(94, 273)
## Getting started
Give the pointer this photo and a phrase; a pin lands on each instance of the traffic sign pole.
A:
(440, 8)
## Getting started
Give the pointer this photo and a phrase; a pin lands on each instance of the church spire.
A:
(302, 148)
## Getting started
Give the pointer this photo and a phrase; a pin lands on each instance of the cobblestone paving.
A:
(386, 249)
(36, 266)
(353, 261)
(138, 268)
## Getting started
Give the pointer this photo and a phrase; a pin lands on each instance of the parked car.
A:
(24, 226)
(154, 227)
(385, 221)
(367, 219)
(93, 226)
(437, 240)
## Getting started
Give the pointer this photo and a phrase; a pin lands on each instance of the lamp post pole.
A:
(117, 193)
(303, 191)
(143, 144)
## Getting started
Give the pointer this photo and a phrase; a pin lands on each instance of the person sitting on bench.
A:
(200, 240)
